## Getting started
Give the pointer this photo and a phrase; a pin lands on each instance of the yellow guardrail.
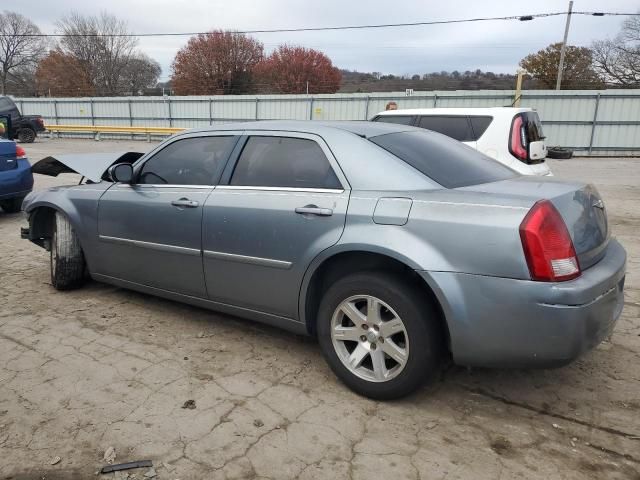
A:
(98, 129)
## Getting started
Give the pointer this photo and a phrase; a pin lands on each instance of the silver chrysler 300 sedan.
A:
(394, 245)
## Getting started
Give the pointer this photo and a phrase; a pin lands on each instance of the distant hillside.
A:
(353, 81)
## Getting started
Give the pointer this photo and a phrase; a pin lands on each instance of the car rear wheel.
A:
(67, 260)
(12, 205)
(379, 334)
(26, 135)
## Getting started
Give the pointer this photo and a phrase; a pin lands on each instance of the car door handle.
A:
(314, 210)
(185, 203)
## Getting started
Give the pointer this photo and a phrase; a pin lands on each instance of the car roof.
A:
(361, 128)
(489, 111)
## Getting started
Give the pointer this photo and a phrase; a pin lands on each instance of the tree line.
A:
(99, 56)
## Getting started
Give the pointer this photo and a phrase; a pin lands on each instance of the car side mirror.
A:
(121, 173)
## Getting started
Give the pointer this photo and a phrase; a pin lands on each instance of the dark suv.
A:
(24, 128)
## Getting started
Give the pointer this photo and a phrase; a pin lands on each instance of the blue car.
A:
(16, 179)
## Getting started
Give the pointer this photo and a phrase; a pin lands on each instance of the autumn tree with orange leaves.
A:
(60, 74)
(290, 69)
(218, 62)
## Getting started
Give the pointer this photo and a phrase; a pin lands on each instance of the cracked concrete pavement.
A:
(84, 370)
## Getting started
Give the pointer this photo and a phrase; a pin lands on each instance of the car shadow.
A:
(563, 393)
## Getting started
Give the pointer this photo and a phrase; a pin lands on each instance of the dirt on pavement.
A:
(205, 395)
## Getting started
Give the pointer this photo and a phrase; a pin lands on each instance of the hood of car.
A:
(90, 165)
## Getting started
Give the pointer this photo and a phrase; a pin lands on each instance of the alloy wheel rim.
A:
(369, 338)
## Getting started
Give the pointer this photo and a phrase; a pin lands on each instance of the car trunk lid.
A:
(580, 206)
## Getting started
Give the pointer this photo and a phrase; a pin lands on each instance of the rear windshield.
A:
(401, 119)
(456, 127)
(446, 161)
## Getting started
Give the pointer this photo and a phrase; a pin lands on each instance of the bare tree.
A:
(20, 47)
(618, 59)
(141, 72)
(102, 45)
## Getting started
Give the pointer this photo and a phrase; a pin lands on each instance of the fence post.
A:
(210, 111)
(55, 114)
(257, 113)
(130, 115)
(93, 119)
(594, 122)
(169, 107)
(435, 99)
(311, 109)
(366, 108)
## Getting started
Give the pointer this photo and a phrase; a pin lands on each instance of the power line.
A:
(343, 27)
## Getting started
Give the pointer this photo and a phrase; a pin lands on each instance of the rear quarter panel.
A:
(17, 181)
(447, 230)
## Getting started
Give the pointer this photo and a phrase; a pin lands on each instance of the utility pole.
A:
(564, 46)
(516, 100)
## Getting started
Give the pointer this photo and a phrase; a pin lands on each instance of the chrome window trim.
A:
(153, 246)
(280, 189)
(165, 185)
(233, 257)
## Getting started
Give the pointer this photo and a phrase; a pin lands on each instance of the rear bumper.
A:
(16, 182)
(500, 322)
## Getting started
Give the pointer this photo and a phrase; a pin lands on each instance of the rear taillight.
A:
(518, 140)
(40, 121)
(20, 153)
(547, 245)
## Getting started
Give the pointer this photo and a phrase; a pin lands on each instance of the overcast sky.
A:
(491, 46)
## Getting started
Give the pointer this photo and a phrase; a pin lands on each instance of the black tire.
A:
(12, 205)
(559, 153)
(26, 135)
(67, 260)
(421, 321)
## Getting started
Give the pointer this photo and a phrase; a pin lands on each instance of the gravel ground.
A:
(102, 367)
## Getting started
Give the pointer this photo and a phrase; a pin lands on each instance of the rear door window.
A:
(190, 161)
(286, 162)
(480, 125)
(449, 163)
(456, 127)
(398, 119)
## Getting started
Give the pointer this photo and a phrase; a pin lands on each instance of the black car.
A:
(24, 128)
